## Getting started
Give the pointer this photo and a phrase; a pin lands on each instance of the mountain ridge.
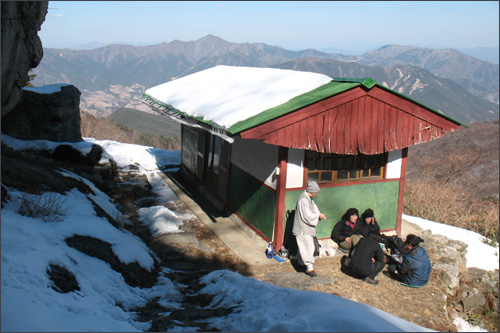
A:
(96, 72)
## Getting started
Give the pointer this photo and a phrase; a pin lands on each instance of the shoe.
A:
(311, 273)
(370, 281)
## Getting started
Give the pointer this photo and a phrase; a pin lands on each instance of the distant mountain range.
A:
(115, 76)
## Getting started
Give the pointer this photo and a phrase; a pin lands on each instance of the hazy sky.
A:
(293, 25)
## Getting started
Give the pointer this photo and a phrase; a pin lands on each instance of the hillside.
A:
(146, 122)
(106, 129)
(477, 76)
(108, 252)
(419, 84)
(467, 159)
(115, 76)
(455, 179)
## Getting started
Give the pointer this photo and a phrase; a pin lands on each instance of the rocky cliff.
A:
(21, 47)
(32, 115)
(48, 113)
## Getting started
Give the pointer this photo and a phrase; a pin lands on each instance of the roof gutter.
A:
(178, 117)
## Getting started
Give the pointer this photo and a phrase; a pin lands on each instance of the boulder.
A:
(460, 246)
(450, 255)
(474, 301)
(51, 116)
(448, 274)
(440, 240)
(447, 251)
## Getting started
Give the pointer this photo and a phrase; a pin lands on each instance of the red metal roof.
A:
(356, 121)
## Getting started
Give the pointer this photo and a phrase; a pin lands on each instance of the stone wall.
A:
(471, 293)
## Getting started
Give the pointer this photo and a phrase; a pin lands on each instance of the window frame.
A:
(214, 150)
(337, 168)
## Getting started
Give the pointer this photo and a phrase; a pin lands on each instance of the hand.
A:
(322, 217)
(373, 259)
(348, 239)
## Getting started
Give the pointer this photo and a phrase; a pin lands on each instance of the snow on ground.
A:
(29, 245)
(478, 254)
(47, 89)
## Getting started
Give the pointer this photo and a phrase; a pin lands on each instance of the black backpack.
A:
(395, 244)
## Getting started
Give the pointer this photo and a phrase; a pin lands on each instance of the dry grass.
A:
(49, 207)
(454, 180)
(452, 205)
(106, 129)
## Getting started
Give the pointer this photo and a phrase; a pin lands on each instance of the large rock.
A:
(474, 301)
(46, 116)
(449, 275)
(21, 47)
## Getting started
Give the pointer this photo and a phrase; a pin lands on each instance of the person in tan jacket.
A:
(307, 216)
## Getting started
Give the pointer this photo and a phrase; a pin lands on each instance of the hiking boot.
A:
(370, 281)
(311, 273)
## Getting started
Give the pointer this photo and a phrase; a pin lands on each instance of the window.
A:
(189, 148)
(333, 168)
(214, 149)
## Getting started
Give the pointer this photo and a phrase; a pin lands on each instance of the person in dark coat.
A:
(367, 259)
(347, 229)
(369, 226)
(415, 270)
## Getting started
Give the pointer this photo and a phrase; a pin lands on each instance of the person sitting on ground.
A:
(367, 259)
(415, 269)
(347, 229)
(369, 226)
(307, 216)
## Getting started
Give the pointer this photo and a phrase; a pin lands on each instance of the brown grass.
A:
(105, 129)
(455, 179)
(452, 205)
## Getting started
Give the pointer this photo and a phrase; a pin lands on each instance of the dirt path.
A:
(197, 251)
(423, 306)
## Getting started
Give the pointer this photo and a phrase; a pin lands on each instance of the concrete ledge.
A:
(249, 249)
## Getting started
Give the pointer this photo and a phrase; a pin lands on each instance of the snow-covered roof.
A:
(225, 95)
(228, 100)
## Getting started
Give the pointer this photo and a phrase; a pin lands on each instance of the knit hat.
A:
(312, 187)
(368, 213)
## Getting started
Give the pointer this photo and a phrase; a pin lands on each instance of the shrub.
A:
(49, 207)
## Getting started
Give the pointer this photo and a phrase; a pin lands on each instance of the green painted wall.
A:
(256, 203)
(253, 201)
(334, 202)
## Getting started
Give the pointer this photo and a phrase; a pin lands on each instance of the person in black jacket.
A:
(369, 226)
(367, 259)
(347, 229)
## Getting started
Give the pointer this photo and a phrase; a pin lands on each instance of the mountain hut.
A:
(253, 137)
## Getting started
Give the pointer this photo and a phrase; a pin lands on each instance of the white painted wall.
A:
(395, 160)
(295, 168)
(261, 160)
(257, 159)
